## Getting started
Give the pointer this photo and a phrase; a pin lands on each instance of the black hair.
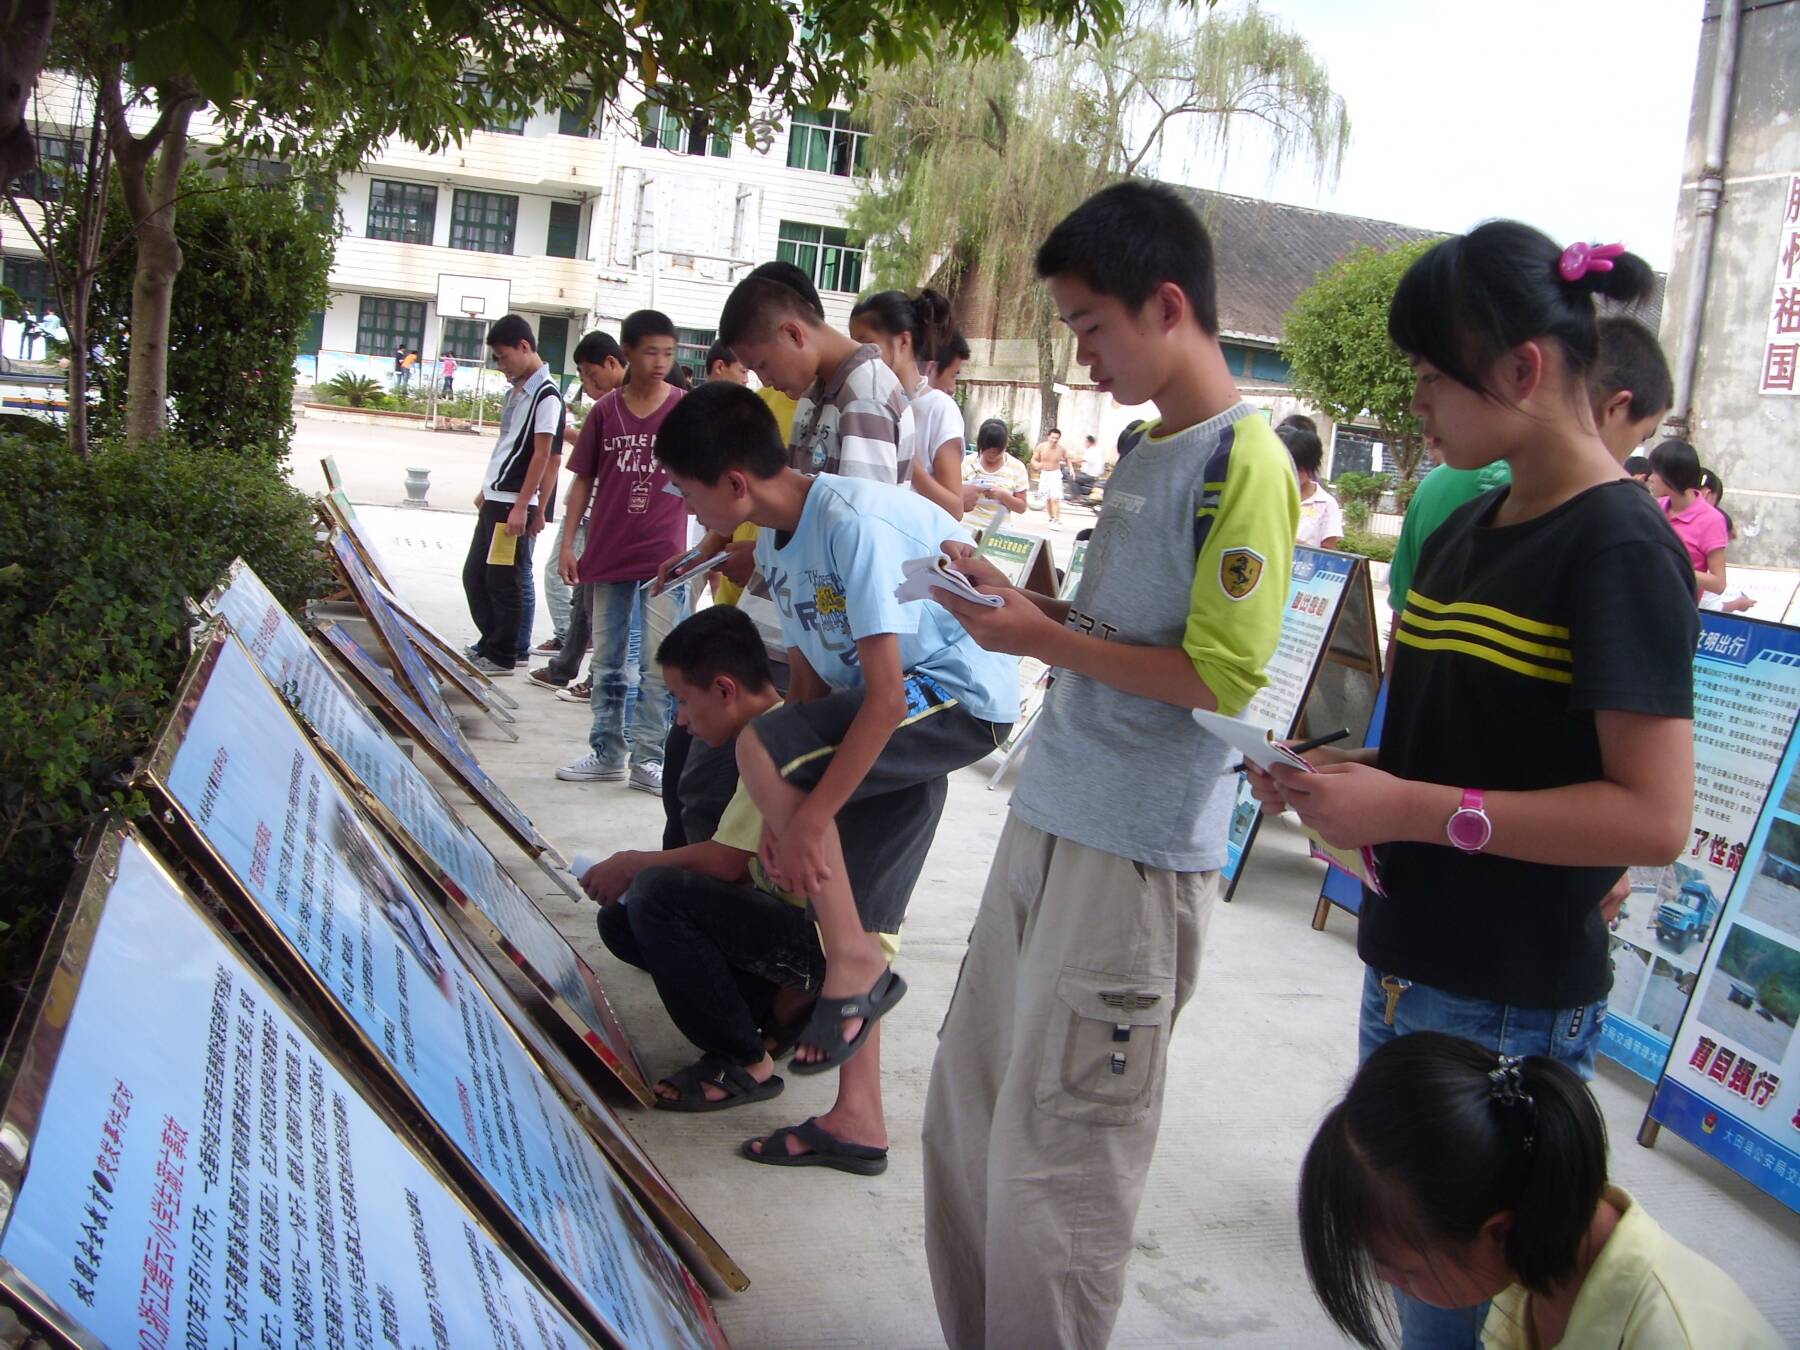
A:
(794, 279)
(1715, 484)
(957, 349)
(1677, 463)
(597, 348)
(719, 640)
(1435, 1136)
(719, 427)
(1300, 420)
(1638, 466)
(680, 376)
(510, 330)
(645, 323)
(1130, 238)
(1631, 359)
(1304, 446)
(926, 318)
(719, 351)
(992, 434)
(1090, 440)
(1471, 298)
(757, 305)
(1054, 431)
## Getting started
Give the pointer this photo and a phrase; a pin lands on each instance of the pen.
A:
(1342, 733)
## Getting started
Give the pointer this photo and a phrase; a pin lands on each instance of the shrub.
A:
(97, 557)
(1378, 547)
(356, 390)
(1356, 515)
(1360, 487)
(1403, 494)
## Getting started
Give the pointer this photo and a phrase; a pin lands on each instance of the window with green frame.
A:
(576, 116)
(828, 142)
(29, 278)
(824, 253)
(383, 324)
(505, 125)
(483, 221)
(563, 239)
(662, 129)
(691, 346)
(463, 339)
(403, 211)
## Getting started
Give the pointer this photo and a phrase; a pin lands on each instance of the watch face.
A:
(1469, 829)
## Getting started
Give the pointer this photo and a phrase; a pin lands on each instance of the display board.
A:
(1024, 559)
(1348, 680)
(403, 658)
(475, 687)
(340, 515)
(334, 480)
(1317, 593)
(192, 1166)
(1340, 888)
(423, 825)
(455, 759)
(250, 801)
(1746, 697)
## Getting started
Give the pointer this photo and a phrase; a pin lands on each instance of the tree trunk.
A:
(27, 42)
(1044, 332)
(76, 321)
(153, 289)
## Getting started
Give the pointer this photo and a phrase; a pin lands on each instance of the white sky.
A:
(1568, 114)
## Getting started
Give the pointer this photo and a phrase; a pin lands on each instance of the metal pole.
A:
(1706, 210)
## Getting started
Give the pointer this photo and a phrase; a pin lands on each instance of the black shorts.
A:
(888, 824)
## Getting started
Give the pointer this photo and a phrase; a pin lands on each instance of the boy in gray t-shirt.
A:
(1047, 1089)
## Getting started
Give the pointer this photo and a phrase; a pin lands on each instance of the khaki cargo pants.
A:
(1047, 1089)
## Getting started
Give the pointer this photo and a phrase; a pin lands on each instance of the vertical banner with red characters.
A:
(1781, 344)
(1731, 1085)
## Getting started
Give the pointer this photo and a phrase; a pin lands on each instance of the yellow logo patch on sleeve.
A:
(1240, 570)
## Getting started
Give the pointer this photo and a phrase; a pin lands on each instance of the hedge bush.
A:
(97, 557)
(1379, 547)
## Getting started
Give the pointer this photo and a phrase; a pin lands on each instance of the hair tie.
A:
(1506, 1085)
(1581, 258)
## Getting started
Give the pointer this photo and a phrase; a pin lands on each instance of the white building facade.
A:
(585, 218)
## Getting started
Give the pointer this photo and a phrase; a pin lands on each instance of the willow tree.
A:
(973, 162)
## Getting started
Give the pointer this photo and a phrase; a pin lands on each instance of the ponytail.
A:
(926, 318)
(1436, 1136)
(1471, 298)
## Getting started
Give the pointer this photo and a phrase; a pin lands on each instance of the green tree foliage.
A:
(1336, 343)
(974, 161)
(258, 263)
(100, 553)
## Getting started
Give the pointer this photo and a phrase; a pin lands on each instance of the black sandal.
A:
(825, 1029)
(740, 1088)
(827, 1151)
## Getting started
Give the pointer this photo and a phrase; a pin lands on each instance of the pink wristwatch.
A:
(1469, 827)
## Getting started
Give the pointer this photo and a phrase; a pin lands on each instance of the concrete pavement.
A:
(1267, 1043)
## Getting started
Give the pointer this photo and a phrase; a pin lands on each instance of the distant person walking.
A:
(1048, 458)
(448, 373)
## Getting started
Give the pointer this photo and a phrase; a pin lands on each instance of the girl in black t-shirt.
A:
(1538, 735)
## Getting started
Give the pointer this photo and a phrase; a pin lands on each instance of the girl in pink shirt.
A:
(1701, 527)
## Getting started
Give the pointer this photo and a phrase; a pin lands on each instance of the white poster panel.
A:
(295, 667)
(201, 1172)
(262, 801)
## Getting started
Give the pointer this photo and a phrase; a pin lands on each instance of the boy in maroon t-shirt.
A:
(633, 527)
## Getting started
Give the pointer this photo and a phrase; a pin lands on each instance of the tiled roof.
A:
(1267, 253)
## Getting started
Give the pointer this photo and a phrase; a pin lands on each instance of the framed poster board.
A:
(1731, 1084)
(422, 825)
(334, 481)
(403, 658)
(1024, 559)
(1746, 697)
(477, 688)
(1317, 603)
(185, 1162)
(340, 515)
(245, 798)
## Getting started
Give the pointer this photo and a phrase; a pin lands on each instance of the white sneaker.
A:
(492, 669)
(647, 778)
(590, 769)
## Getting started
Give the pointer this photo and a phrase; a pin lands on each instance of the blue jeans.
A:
(1569, 1035)
(622, 610)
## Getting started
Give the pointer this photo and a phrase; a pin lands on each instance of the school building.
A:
(585, 216)
(1731, 326)
(1267, 254)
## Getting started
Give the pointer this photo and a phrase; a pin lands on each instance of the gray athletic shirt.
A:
(1194, 549)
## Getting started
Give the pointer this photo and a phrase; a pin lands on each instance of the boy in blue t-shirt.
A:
(883, 696)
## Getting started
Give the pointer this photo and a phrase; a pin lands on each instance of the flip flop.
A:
(827, 1151)
(784, 1038)
(825, 1028)
(740, 1088)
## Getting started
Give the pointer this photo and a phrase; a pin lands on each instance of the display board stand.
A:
(331, 911)
(1039, 684)
(150, 1193)
(1323, 675)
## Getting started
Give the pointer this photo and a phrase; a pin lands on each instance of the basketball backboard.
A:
(466, 297)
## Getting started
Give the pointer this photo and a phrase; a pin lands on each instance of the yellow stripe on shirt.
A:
(1518, 621)
(1537, 672)
(1482, 630)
